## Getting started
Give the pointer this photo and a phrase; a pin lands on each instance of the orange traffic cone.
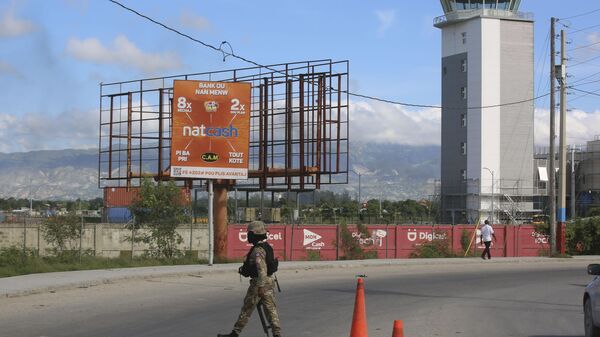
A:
(398, 329)
(359, 318)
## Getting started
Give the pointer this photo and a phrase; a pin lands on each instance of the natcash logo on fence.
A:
(310, 239)
(204, 131)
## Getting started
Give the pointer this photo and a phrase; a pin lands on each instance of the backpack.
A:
(249, 269)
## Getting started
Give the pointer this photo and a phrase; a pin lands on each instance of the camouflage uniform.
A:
(252, 297)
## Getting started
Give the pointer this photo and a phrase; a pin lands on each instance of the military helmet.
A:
(257, 227)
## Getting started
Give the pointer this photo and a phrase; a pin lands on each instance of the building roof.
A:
(450, 6)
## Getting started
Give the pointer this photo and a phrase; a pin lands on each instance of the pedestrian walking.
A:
(259, 265)
(487, 233)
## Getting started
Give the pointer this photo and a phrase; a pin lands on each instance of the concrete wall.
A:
(107, 240)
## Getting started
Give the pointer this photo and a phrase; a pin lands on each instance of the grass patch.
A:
(15, 261)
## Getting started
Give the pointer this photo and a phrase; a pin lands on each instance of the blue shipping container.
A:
(2, 216)
(118, 214)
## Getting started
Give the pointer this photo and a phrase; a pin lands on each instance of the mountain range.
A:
(391, 171)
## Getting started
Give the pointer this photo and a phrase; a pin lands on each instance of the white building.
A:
(487, 144)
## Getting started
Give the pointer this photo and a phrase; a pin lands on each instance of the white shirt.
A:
(486, 232)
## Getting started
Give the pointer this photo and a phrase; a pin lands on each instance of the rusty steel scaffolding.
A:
(298, 127)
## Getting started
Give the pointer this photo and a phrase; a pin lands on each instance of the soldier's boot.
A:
(232, 334)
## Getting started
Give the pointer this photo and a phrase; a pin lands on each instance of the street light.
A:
(359, 200)
(492, 173)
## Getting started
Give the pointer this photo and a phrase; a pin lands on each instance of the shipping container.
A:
(124, 197)
(118, 214)
(120, 196)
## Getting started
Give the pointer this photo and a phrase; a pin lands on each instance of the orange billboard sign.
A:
(211, 129)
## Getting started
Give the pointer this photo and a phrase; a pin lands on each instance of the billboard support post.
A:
(220, 220)
(211, 246)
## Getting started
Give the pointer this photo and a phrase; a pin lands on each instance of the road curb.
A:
(52, 282)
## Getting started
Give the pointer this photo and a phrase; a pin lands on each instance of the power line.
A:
(585, 78)
(587, 92)
(583, 29)
(582, 14)
(590, 82)
(584, 62)
(580, 47)
(225, 54)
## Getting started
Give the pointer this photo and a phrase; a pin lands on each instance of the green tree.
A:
(583, 236)
(159, 210)
(62, 233)
(594, 211)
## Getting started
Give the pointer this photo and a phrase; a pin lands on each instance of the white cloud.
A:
(581, 126)
(385, 123)
(8, 69)
(386, 19)
(593, 37)
(11, 26)
(39, 131)
(195, 22)
(122, 52)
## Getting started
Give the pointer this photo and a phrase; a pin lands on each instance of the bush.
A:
(62, 232)
(434, 249)
(594, 211)
(159, 210)
(465, 239)
(351, 249)
(583, 236)
(312, 255)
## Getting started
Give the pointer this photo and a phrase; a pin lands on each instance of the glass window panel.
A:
(476, 4)
(462, 4)
(503, 4)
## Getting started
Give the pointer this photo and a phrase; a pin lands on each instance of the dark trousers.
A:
(486, 250)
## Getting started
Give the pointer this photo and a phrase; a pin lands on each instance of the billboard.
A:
(211, 129)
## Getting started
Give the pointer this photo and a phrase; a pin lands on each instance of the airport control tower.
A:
(487, 144)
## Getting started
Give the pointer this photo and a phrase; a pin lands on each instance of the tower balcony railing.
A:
(471, 13)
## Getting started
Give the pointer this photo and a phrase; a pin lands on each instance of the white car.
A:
(591, 303)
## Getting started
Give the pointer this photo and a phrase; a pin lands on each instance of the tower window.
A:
(463, 148)
(463, 92)
(464, 37)
(463, 174)
(444, 70)
(463, 120)
(463, 65)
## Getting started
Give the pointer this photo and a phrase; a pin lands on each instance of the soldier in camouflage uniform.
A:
(261, 288)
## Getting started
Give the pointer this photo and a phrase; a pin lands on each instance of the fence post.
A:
(337, 242)
(25, 233)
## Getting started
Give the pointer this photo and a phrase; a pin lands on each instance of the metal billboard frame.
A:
(299, 130)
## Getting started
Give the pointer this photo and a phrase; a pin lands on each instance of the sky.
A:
(55, 53)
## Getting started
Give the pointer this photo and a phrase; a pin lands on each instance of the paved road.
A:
(479, 298)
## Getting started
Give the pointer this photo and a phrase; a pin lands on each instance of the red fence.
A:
(305, 242)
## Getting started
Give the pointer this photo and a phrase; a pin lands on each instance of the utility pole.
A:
(551, 157)
(562, 184)
(573, 196)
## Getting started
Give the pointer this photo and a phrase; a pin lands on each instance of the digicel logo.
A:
(310, 237)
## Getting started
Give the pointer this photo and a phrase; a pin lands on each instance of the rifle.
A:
(261, 315)
(277, 283)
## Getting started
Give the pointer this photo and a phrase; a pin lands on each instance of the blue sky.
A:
(54, 54)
